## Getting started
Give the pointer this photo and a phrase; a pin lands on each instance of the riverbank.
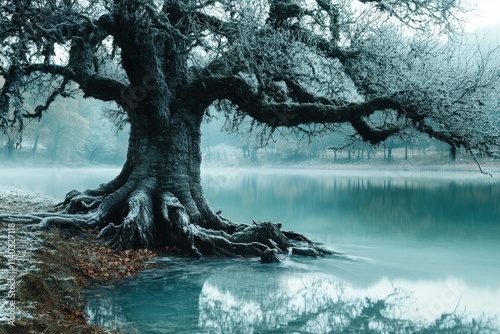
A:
(45, 271)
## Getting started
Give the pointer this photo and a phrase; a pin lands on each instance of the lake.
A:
(420, 249)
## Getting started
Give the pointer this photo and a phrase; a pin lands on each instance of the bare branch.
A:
(63, 71)
(41, 108)
(422, 14)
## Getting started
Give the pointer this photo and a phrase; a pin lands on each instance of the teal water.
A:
(426, 244)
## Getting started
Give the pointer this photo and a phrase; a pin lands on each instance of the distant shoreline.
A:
(226, 156)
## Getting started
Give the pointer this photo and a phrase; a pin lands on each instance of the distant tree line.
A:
(70, 133)
(335, 147)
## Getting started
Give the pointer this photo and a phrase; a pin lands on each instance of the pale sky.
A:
(486, 13)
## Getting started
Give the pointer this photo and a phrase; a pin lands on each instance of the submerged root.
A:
(219, 243)
(263, 239)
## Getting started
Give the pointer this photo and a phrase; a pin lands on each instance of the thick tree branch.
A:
(282, 11)
(287, 114)
(103, 88)
(453, 140)
(308, 108)
(50, 69)
(299, 94)
(92, 85)
(373, 135)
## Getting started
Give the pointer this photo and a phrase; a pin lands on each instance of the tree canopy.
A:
(305, 64)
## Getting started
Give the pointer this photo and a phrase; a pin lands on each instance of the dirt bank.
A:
(43, 272)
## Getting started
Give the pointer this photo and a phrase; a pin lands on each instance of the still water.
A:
(418, 247)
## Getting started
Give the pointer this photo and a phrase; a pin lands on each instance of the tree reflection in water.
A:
(312, 303)
(291, 297)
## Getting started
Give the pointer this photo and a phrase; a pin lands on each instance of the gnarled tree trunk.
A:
(157, 199)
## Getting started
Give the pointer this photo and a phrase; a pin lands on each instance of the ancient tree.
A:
(309, 66)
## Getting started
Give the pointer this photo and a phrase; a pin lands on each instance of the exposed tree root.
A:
(137, 229)
(77, 202)
(45, 220)
(147, 219)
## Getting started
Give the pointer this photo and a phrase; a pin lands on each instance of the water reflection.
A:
(240, 297)
(408, 204)
(289, 302)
